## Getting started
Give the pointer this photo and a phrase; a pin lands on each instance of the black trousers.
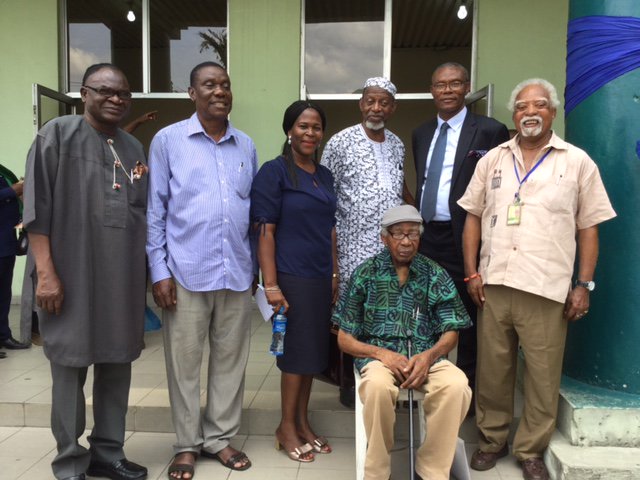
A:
(6, 276)
(438, 244)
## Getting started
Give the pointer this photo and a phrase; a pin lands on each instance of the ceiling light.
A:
(130, 15)
(462, 11)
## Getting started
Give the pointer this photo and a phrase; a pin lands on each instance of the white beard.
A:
(531, 131)
(374, 126)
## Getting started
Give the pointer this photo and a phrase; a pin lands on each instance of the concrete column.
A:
(602, 348)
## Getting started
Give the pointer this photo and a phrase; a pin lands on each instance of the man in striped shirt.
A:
(200, 263)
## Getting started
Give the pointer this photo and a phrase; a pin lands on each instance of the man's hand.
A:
(475, 288)
(164, 294)
(396, 362)
(18, 187)
(49, 292)
(577, 304)
(417, 370)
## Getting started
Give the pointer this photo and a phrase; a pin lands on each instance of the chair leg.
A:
(361, 435)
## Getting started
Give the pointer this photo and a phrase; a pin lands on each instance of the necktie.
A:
(430, 192)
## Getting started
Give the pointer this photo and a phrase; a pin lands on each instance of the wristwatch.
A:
(590, 285)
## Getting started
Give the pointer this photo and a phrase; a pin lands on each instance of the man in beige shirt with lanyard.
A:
(527, 203)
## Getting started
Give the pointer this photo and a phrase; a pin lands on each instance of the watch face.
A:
(591, 285)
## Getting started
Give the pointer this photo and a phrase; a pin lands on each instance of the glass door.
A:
(49, 104)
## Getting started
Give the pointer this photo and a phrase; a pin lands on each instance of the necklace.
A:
(135, 173)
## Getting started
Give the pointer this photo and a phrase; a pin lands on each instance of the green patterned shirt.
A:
(376, 310)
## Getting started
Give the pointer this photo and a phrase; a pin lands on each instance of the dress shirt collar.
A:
(555, 142)
(196, 127)
(455, 122)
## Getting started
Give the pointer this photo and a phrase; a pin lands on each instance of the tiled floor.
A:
(26, 452)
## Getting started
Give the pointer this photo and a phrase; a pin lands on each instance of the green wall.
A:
(264, 64)
(519, 40)
(29, 53)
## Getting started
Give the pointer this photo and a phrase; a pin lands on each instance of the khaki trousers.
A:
(222, 316)
(446, 401)
(510, 317)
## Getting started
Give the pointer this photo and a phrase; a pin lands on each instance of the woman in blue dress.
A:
(293, 207)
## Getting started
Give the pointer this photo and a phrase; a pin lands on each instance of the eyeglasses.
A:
(110, 92)
(413, 236)
(455, 85)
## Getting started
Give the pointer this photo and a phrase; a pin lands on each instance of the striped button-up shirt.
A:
(198, 208)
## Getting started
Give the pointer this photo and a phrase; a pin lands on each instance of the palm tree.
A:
(217, 41)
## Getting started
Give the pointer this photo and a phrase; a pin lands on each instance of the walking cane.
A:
(412, 460)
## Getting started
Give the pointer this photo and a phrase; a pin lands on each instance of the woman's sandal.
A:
(298, 453)
(182, 467)
(321, 445)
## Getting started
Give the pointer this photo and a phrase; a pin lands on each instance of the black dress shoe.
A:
(77, 477)
(118, 470)
(12, 344)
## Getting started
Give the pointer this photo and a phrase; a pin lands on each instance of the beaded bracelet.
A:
(471, 277)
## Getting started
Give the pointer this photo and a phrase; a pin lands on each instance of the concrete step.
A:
(569, 462)
(592, 416)
(335, 422)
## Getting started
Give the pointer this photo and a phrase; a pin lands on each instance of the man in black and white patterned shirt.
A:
(367, 162)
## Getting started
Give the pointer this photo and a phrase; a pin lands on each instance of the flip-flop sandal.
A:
(239, 457)
(181, 467)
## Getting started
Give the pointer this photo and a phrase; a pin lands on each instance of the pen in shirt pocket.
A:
(559, 180)
(241, 166)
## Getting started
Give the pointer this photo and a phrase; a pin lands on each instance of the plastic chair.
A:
(460, 466)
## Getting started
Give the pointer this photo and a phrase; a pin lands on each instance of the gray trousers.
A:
(222, 316)
(111, 384)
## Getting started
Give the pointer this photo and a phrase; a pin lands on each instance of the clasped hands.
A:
(410, 372)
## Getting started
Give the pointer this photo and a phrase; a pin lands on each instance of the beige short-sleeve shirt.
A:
(562, 195)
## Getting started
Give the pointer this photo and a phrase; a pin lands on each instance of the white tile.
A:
(7, 432)
(32, 443)
(325, 473)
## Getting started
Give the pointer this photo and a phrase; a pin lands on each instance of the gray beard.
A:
(531, 131)
(374, 126)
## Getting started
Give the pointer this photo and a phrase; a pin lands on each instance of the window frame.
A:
(386, 61)
(146, 55)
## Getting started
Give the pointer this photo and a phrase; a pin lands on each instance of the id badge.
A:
(495, 182)
(514, 214)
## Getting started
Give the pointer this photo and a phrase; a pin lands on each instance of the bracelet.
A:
(275, 288)
(471, 277)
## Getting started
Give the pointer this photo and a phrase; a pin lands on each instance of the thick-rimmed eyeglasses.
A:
(455, 85)
(110, 92)
(413, 236)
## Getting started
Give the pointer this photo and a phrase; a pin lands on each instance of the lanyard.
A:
(515, 169)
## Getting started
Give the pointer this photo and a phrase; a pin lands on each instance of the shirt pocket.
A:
(137, 192)
(242, 180)
(560, 196)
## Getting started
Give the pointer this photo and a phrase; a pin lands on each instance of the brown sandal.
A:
(182, 467)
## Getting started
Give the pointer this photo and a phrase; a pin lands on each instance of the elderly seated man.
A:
(393, 295)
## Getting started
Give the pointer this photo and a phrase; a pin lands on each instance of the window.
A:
(156, 47)
(344, 43)
(100, 32)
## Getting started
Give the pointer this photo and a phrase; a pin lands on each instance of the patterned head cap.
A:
(383, 83)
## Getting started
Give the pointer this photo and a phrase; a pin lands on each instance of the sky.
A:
(340, 56)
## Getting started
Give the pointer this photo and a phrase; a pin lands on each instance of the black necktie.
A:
(431, 184)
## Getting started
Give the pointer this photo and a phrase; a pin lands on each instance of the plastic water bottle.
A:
(279, 330)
